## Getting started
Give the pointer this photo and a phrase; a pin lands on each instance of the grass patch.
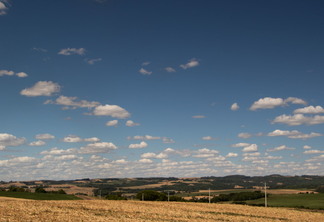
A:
(38, 196)
(309, 201)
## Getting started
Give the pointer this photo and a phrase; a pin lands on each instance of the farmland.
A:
(105, 210)
(38, 196)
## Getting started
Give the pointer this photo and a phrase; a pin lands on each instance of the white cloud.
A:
(138, 145)
(167, 140)
(37, 143)
(72, 51)
(6, 72)
(111, 110)
(3, 8)
(310, 110)
(232, 155)
(295, 100)
(121, 161)
(100, 147)
(208, 138)
(21, 74)
(192, 63)
(235, 107)
(205, 153)
(45, 136)
(72, 139)
(270, 103)
(252, 154)
(42, 88)
(244, 135)
(170, 69)
(313, 151)
(250, 148)
(92, 61)
(70, 101)
(199, 117)
(10, 140)
(299, 119)
(145, 72)
(91, 139)
(307, 147)
(2, 147)
(131, 123)
(294, 134)
(145, 161)
(240, 145)
(112, 123)
(146, 137)
(56, 151)
(154, 156)
(279, 148)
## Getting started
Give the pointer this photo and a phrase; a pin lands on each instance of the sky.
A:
(165, 88)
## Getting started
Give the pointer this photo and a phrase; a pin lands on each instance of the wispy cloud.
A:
(192, 63)
(72, 51)
(170, 69)
(93, 61)
(71, 102)
(145, 72)
(198, 117)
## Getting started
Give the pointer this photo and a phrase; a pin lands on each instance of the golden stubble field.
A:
(107, 210)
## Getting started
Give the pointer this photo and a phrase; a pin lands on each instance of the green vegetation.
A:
(311, 201)
(38, 196)
(117, 196)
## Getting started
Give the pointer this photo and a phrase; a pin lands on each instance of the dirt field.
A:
(104, 210)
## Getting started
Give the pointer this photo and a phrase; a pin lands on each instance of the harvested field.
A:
(104, 210)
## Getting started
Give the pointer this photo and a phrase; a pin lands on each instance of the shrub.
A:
(151, 195)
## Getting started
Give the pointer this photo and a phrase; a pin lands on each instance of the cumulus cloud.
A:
(307, 147)
(37, 143)
(199, 117)
(21, 74)
(3, 8)
(145, 161)
(77, 139)
(131, 123)
(235, 107)
(70, 102)
(232, 155)
(10, 140)
(92, 61)
(146, 137)
(111, 110)
(299, 119)
(270, 103)
(45, 136)
(205, 153)
(2, 147)
(294, 134)
(167, 140)
(310, 110)
(240, 145)
(112, 123)
(313, 151)
(192, 63)
(154, 156)
(42, 88)
(100, 147)
(57, 151)
(170, 69)
(208, 138)
(6, 72)
(145, 72)
(72, 51)
(138, 145)
(250, 148)
(279, 148)
(244, 135)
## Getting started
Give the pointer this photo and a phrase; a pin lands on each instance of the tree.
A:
(151, 195)
(40, 189)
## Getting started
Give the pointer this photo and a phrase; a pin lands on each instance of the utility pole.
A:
(265, 195)
(209, 195)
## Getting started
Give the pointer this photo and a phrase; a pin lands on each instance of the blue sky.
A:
(143, 88)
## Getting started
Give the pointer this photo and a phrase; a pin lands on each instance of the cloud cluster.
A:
(77, 139)
(44, 136)
(138, 145)
(310, 110)
(100, 147)
(299, 119)
(11, 73)
(72, 51)
(10, 140)
(71, 102)
(41, 88)
(270, 103)
(294, 134)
